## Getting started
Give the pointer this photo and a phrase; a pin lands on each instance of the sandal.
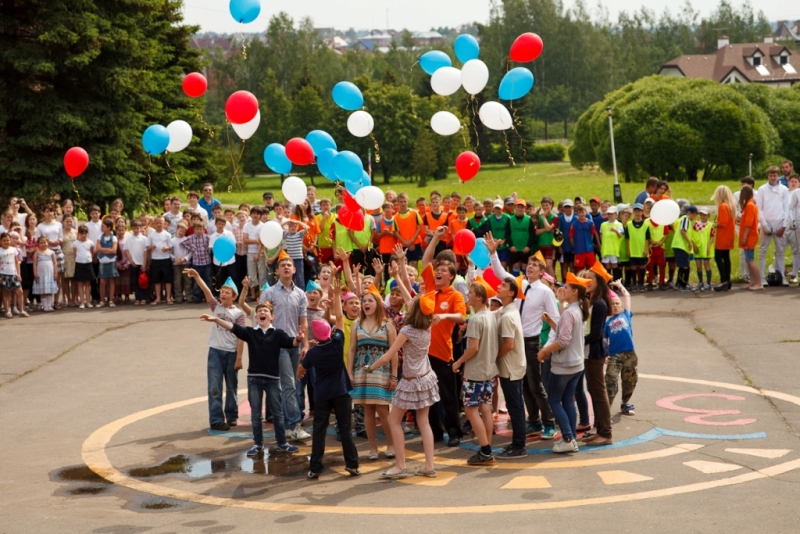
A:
(429, 474)
(23, 313)
(395, 476)
(372, 456)
(112, 305)
(155, 303)
(389, 454)
(170, 302)
(9, 315)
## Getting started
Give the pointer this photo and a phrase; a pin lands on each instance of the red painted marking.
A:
(670, 404)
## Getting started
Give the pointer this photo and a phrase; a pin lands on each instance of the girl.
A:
(567, 365)
(545, 228)
(371, 337)
(305, 214)
(748, 236)
(122, 284)
(54, 232)
(68, 286)
(725, 226)
(622, 360)
(45, 273)
(106, 248)
(27, 267)
(84, 273)
(10, 278)
(67, 210)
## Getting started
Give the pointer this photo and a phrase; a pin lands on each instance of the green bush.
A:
(547, 152)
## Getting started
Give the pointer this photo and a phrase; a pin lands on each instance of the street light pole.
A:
(617, 189)
(750, 157)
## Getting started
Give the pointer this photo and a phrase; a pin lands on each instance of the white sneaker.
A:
(793, 280)
(565, 446)
(300, 434)
(290, 435)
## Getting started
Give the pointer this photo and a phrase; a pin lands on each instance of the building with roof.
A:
(769, 63)
(787, 31)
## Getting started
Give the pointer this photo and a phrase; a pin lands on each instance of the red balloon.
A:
(526, 47)
(195, 85)
(491, 278)
(467, 165)
(351, 219)
(299, 151)
(351, 202)
(75, 161)
(463, 241)
(241, 107)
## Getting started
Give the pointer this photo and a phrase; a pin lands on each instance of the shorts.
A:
(549, 253)
(637, 262)
(504, 255)
(682, 258)
(610, 259)
(625, 264)
(749, 254)
(414, 255)
(584, 259)
(161, 271)
(568, 257)
(256, 270)
(476, 393)
(326, 255)
(657, 257)
(84, 272)
(519, 257)
(10, 282)
(108, 270)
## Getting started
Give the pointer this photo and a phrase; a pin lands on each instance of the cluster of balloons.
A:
(348, 97)
(175, 137)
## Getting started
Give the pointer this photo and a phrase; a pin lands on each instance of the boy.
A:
(216, 213)
(583, 238)
(407, 228)
(469, 203)
(240, 257)
(325, 221)
(637, 234)
(331, 387)
(544, 231)
(456, 224)
(230, 217)
(174, 215)
(702, 235)
(10, 275)
(499, 221)
(522, 237)
(622, 359)
(136, 249)
(293, 245)
(565, 220)
(683, 247)
(383, 234)
(225, 354)
(611, 235)
(158, 262)
(197, 243)
(434, 219)
(422, 207)
(624, 259)
(658, 258)
(222, 270)
(256, 269)
(95, 226)
(478, 223)
(193, 198)
(181, 258)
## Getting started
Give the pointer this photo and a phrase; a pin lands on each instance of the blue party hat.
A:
(230, 285)
(312, 285)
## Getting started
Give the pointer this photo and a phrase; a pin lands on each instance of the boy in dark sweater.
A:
(264, 344)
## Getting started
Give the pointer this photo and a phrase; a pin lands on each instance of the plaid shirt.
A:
(241, 248)
(198, 244)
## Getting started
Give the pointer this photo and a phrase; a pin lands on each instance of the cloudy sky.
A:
(213, 15)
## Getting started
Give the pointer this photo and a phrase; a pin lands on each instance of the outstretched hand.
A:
(491, 243)
(208, 318)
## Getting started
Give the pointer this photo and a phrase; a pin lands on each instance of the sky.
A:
(421, 15)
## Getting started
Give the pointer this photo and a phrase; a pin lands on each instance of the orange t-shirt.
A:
(454, 227)
(447, 301)
(749, 220)
(725, 229)
(432, 223)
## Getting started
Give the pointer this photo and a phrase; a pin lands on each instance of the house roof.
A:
(718, 64)
(787, 31)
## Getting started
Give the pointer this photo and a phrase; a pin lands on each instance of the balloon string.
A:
(377, 148)
(411, 89)
(207, 128)
(244, 44)
(230, 153)
(474, 124)
(508, 149)
(78, 196)
(180, 183)
(149, 167)
(518, 122)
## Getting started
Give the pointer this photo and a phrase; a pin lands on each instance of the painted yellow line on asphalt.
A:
(711, 468)
(621, 477)
(527, 482)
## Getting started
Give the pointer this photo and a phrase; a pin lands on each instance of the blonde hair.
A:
(723, 195)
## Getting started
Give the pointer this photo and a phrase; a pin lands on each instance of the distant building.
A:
(431, 38)
(373, 41)
(785, 32)
(769, 63)
(210, 41)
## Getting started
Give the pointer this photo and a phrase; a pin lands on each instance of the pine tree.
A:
(423, 159)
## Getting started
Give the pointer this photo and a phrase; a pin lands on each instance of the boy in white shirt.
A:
(226, 269)
(136, 248)
(95, 227)
(158, 261)
(252, 230)
(181, 259)
(10, 275)
(211, 226)
(174, 216)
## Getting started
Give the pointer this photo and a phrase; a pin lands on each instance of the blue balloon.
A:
(352, 187)
(348, 167)
(325, 164)
(347, 96)
(365, 179)
(320, 140)
(155, 139)
(466, 47)
(434, 60)
(245, 11)
(275, 158)
(516, 84)
(480, 254)
(224, 248)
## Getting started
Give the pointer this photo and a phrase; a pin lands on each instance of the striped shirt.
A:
(198, 244)
(293, 244)
(238, 234)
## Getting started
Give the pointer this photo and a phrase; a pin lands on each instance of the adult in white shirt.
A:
(772, 200)
(159, 260)
(793, 223)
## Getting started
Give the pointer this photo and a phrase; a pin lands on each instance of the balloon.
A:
(365, 179)
(320, 140)
(155, 139)
(474, 76)
(466, 47)
(299, 151)
(245, 11)
(325, 159)
(275, 158)
(463, 241)
(467, 165)
(360, 123)
(665, 212)
(195, 85)
(294, 190)
(180, 135)
(433, 61)
(352, 187)
(75, 161)
(446, 81)
(347, 96)
(515, 84)
(245, 131)
(241, 107)
(351, 202)
(224, 248)
(480, 254)
(445, 123)
(348, 166)
(495, 116)
(526, 47)
(491, 279)
(271, 234)
(351, 219)
(370, 197)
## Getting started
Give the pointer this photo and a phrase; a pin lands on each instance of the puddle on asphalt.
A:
(199, 467)
(82, 481)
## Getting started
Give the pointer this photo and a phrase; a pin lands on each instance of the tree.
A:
(423, 159)
(276, 113)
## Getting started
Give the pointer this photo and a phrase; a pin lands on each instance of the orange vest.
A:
(385, 243)
(433, 224)
(454, 227)
(406, 225)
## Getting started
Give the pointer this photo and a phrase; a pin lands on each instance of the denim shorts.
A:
(476, 393)
(749, 254)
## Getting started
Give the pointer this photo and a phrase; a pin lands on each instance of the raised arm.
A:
(403, 283)
(243, 297)
(430, 251)
(344, 257)
(497, 267)
(191, 273)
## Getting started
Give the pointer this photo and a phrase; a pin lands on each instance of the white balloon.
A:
(446, 81)
(360, 123)
(245, 131)
(180, 135)
(495, 116)
(271, 234)
(474, 76)
(665, 212)
(294, 190)
(444, 122)
(370, 197)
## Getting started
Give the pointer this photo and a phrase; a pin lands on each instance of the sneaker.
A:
(89, 305)
(686, 289)
(312, 475)
(300, 434)
(81, 307)
(220, 426)
(534, 430)
(286, 449)
(512, 454)
(353, 471)
(649, 287)
(671, 285)
(701, 287)
(627, 409)
(549, 432)
(233, 422)
(255, 450)
(565, 446)
(406, 429)
(793, 280)
(481, 459)
(290, 435)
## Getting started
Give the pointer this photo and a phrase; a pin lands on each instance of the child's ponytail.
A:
(583, 298)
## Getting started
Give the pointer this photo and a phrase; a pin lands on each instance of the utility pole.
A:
(617, 189)
(750, 158)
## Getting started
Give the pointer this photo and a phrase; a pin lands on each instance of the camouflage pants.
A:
(621, 366)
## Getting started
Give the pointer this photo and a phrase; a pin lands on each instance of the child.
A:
(407, 229)
(499, 221)
(683, 246)
(383, 234)
(181, 259)
(158, 261)
(10, 275)
(657, 260)
(748, 236)
(331, 387)
(256, 269)
(702, 235)
(522, 237)
(611, 239)
(174, 215)
(84, 272)
(324, 220)
(622, 359)
(106, 248)
(135, 250)
(544, 230)
(293, 245)
(123, 281)
(68, 285)
(565, 221)
(583, 237)
(67, 210)
(45, 273)
(223, 270)
(624, 257)
(240, 256)
(637, 234)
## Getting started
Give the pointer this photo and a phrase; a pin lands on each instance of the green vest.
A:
(342, 239)
(364, 236)
(637, 238)
(610, 246)
(520, 231)
(678, 242)
(546, 239)
(668, 252)
(499, 228)
(701, 238)
(656, 232)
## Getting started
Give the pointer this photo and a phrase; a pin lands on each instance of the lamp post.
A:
(617, 189)
(750, 158)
